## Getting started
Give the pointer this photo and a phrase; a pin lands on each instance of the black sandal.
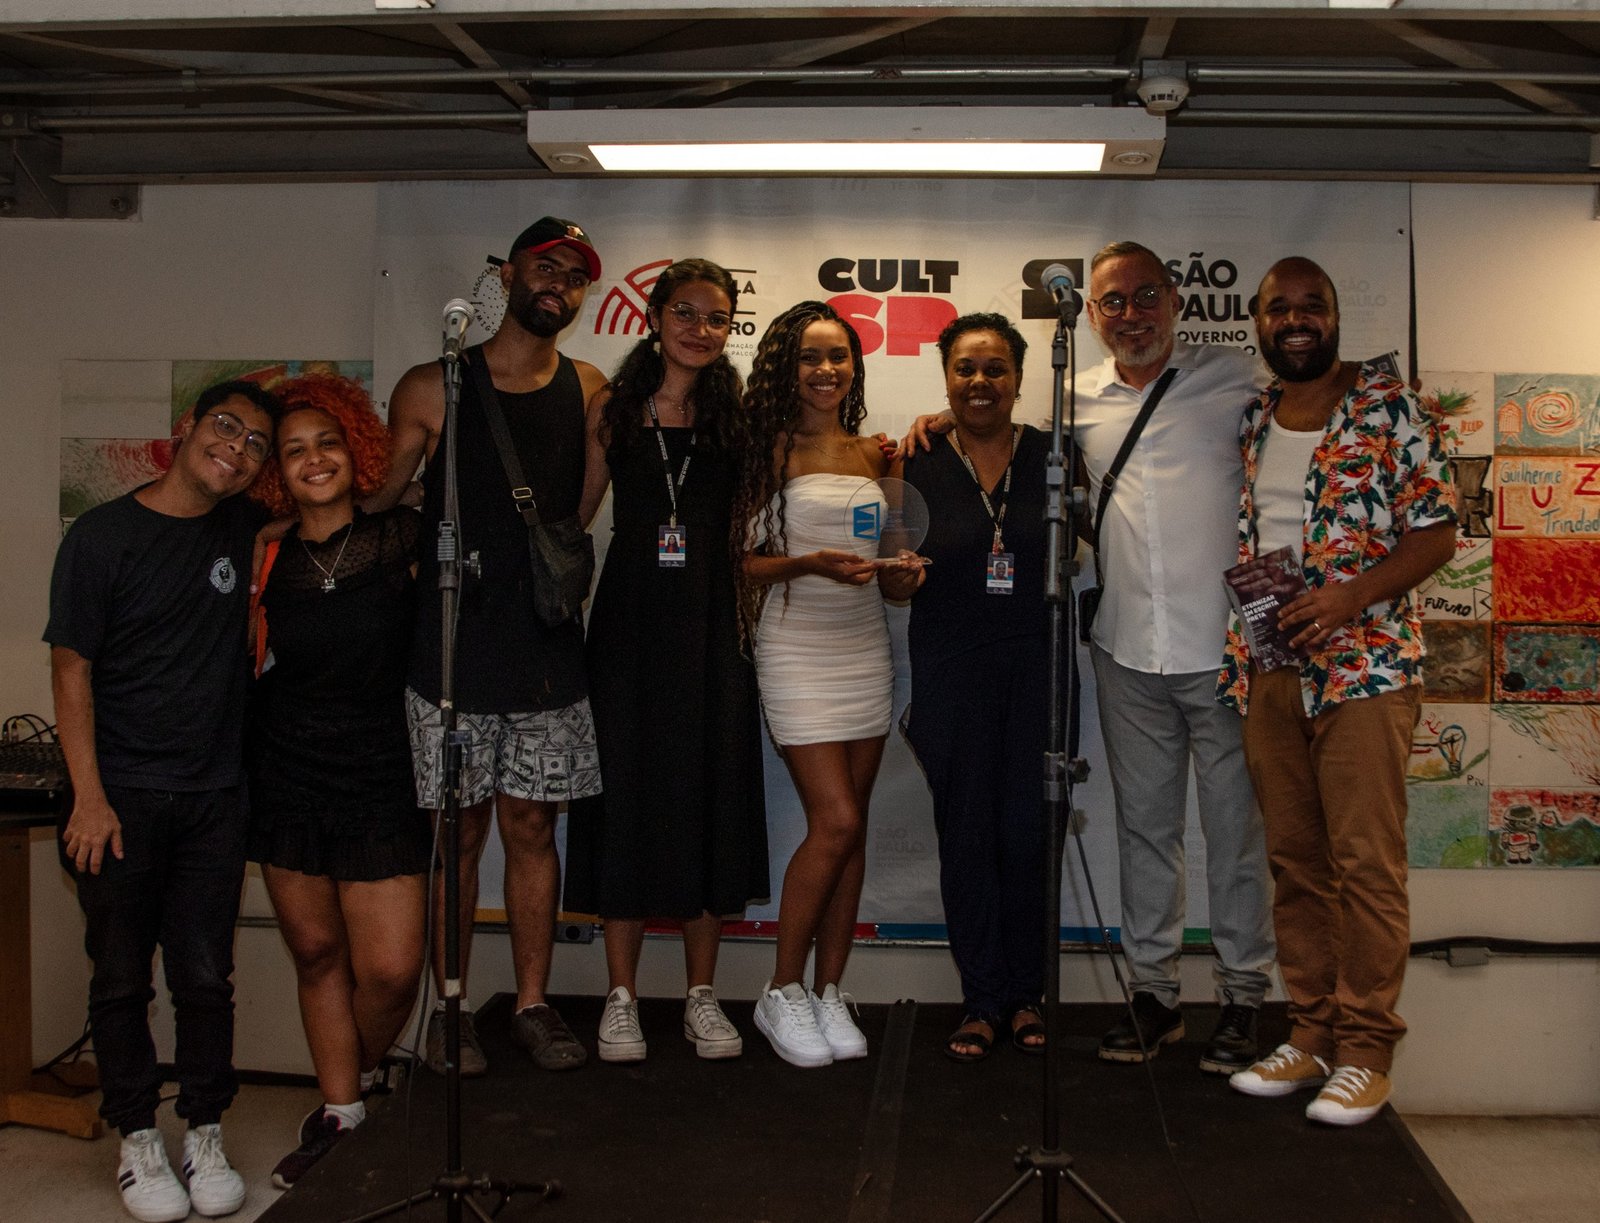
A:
(962, 1036)
(1035, 1027)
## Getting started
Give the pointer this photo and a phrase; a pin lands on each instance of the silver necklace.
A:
(328, 584)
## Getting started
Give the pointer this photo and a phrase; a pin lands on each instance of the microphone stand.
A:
(455, 1186)
(1064, 504)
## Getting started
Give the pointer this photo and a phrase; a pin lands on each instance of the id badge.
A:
(672, 546)
(1002, 573)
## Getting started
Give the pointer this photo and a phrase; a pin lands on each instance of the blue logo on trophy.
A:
(866, 522)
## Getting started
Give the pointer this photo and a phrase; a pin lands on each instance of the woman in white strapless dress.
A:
(812, 606)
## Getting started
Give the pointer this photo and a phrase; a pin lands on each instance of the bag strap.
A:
(1117, 464)
(489, 400)
(258, 612)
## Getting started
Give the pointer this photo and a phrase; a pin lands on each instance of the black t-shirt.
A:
(158, 605)
(953, 611)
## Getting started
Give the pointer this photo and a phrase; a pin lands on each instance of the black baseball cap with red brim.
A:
(556, 231)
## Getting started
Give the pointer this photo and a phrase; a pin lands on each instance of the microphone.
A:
(1057, 279)
(457, 314)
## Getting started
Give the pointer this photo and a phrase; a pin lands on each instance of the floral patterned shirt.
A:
(1379, 471)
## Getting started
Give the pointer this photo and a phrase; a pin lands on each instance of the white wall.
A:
(205, 272)
(1506, 279)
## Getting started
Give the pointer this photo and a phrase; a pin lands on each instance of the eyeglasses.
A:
(1145, 297)
(229, 426)
(690, 317)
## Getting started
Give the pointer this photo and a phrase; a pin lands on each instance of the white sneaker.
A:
(621, 1038)
(832, 1010)
(150, 1191)
(215, 1189)
(712, 1032)
(784, 1016)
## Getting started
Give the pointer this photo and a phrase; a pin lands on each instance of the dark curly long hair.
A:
(772, 405)
(716, 388)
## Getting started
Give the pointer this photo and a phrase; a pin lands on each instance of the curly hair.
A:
(351, 407)
(997, 323)
(772, 405)
(716, 388)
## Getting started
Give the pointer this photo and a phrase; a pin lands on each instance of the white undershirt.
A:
(1280, 489)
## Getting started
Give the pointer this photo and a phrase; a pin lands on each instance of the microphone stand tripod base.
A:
(457, 1189)
(1034, 1164)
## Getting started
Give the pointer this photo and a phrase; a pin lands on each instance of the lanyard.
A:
(1005, 485)
(666, 462)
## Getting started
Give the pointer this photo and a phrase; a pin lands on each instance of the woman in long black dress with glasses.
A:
(680, 831)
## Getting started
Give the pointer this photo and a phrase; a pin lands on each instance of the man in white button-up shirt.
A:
(1170, 529)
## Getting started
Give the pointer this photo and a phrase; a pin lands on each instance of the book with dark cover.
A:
(1259, 590)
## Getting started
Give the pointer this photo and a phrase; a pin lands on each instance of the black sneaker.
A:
(1232, 1046)
(318, 1133)
(1159, 1025)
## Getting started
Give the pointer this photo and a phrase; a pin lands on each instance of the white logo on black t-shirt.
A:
(223, 576)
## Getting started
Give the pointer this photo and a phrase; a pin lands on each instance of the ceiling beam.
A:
(1452, 51)
(1154, 38)
(776, 55)
(479, 57)
(337, 97)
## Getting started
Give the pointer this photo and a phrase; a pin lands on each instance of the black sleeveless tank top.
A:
(507, 659)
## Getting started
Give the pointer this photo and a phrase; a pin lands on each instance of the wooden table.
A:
(27, 1098)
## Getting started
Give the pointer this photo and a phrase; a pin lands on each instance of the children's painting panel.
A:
(1549, 581)
(1533, 827)
(1547, 414)
(1547, 663)
(1457, 666)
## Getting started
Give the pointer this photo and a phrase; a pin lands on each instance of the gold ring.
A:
(1316, 624)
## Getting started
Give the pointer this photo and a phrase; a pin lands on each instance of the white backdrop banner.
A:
(899, 258)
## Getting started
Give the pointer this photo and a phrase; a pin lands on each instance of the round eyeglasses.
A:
(229, 426)
(686, 314)
(1145, 297)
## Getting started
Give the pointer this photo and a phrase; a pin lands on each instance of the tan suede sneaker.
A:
(1282, 1072)
(1354, 1094)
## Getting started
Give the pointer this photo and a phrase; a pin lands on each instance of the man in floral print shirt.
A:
(1342, 465)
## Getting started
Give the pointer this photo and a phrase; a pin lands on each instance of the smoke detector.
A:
(1162, 94)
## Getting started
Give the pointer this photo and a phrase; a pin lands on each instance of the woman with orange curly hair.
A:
(335, 825)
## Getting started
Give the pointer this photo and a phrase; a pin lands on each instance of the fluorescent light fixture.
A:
(898, 140)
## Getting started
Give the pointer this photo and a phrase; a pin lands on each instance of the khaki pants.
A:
(1333, 796)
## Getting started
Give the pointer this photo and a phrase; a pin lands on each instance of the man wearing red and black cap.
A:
(520, 692)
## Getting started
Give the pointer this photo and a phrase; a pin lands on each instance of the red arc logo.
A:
(622, 309)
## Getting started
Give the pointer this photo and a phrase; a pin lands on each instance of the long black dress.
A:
(331, 789)
(681, 828)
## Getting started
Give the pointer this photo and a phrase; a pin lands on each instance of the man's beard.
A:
(533, 318)
(1136, 354)
(1304, 366)
(1132, 352)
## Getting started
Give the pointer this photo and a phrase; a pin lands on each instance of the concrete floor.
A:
(1504, 1169)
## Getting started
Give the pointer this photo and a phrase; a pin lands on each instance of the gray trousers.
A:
(1152, 725)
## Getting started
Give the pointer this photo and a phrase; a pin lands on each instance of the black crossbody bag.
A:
(1089, 600)
(561, 552)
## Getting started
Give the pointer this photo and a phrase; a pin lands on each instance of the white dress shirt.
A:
(1172, 525)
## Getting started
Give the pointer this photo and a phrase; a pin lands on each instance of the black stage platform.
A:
(904, 1135)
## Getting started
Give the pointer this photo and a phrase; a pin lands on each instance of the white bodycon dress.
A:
(822, 657)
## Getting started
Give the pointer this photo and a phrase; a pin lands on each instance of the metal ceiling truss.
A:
(1413, 89)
